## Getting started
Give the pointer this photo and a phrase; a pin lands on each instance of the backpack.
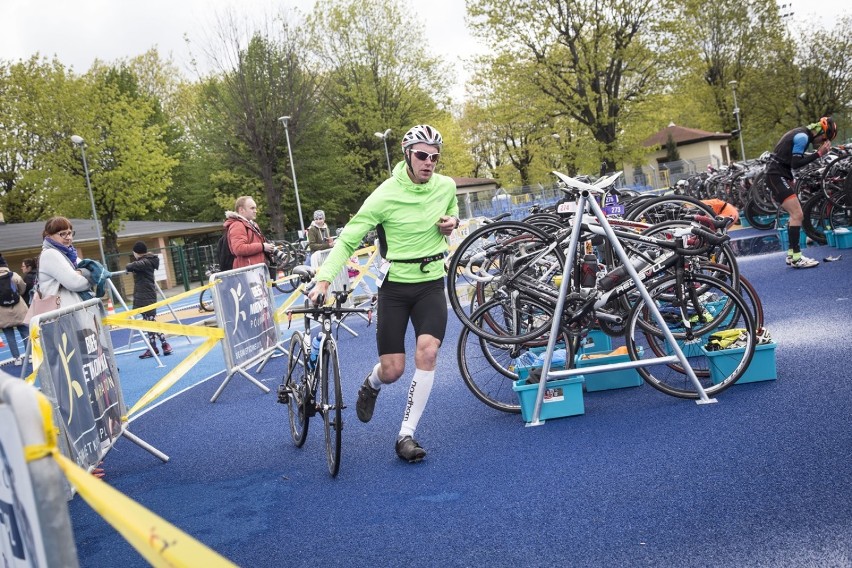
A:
(9, 295)
(224, 254)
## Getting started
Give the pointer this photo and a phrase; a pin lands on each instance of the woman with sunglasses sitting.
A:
(58, 274)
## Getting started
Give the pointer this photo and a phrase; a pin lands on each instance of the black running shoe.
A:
(409, 450)
(366, 401)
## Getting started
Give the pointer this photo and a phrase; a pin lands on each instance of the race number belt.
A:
(422, 261)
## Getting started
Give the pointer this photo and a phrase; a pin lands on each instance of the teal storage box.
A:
(743, 221)
(561, 398)
(608, 380)
(843, 238)
(761, 368)
(523, 371)
(785, 239)
(596, 342)
(829, 238)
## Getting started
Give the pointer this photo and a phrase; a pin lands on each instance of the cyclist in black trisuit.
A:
(415, 210)
(789, 153)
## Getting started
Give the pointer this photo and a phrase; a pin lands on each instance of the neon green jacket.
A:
(408, 212)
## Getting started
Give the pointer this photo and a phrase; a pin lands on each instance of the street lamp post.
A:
(78, 141)
(384, 137)
(285, 120)
(733, 85)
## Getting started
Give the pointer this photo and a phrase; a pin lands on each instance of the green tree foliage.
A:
(38, 99)
(257, 83)
(379, 74)
(128, 161)
(593, 58)
(825, 75)
(735, 40)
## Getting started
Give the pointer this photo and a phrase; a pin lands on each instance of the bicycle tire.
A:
(645, 340)
(490, 251)
(332, 405)
(813, 221)
(205, 301)
(487, 369)
(296, 382)
(668, 208)
(758, 218)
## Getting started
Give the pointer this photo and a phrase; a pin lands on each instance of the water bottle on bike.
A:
(315, 349)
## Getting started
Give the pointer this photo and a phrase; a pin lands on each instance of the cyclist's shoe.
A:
(804, 262)
(366, 401)
(409, 450)
(167, 349)
(148, 354)
(789, 260)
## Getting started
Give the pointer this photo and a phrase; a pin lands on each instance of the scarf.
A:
(69, 252)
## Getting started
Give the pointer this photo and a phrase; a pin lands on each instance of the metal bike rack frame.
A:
(546, 373)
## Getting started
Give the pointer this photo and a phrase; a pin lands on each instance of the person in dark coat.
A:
(145, 293)
(29, 268)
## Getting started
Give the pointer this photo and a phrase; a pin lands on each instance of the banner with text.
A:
(244, 311)
(80, 379)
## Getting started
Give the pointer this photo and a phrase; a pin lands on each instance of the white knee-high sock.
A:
(374, 377)
(418, 395)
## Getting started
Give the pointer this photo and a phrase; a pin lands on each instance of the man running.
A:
(789, 153)
(413, 211)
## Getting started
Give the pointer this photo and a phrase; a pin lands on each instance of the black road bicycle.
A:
(311, 384)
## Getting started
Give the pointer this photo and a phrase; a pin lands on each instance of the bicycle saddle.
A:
(305, 273)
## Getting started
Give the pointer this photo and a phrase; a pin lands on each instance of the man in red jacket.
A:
(247, 243)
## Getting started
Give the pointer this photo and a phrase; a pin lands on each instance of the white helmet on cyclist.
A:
(319, 214)
(422, 133)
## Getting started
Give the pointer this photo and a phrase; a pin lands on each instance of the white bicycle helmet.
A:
(422, 133)
(319, 214)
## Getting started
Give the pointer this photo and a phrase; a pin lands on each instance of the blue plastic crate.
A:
(608, 380)
(829, 237)
(596, 342)
(561, 398)
(785, 239)
(843, 238)
(761, 368)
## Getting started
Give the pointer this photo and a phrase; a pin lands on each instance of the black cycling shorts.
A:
(423, 303)
(780, 187)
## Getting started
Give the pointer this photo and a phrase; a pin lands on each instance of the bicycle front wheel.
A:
(717, 307)
(297, 386)
(332, 405)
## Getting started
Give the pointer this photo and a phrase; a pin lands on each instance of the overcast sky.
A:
(80, 31)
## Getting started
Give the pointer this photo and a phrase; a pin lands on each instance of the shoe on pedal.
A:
(409, 450)
(167, 349)
(366, 401)
(804, 262)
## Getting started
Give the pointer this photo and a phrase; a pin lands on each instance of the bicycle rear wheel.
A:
(205, 300)
(332, 405)
(296, 384)
(719, 307)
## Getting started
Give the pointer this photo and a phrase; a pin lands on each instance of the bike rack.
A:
(546, 373)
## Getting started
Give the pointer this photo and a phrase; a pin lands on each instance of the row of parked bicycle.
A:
(824, 188)
(505, 281)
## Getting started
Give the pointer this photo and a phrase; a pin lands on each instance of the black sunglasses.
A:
(423, 156)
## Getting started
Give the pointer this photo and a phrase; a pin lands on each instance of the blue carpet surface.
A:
(759, 479)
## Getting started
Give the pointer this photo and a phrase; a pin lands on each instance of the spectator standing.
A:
(319, 235)
(58, 274)
(29, 268)
(13, 309)
(247, 243)
(145, 293)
